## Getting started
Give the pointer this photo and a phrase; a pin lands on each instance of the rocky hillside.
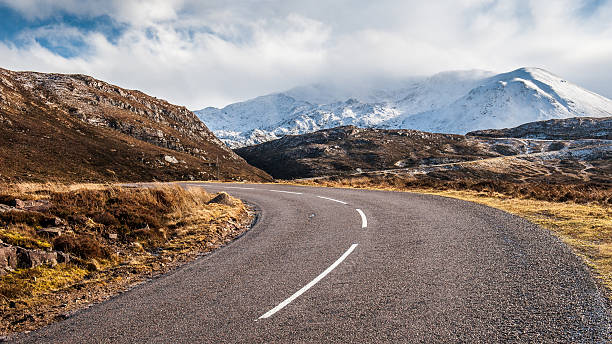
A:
(349, 149)
(76, 128)
(556, 129)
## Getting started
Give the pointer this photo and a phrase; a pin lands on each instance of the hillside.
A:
(76, 128)
(556, 129)
(346, 150)
(450, 102)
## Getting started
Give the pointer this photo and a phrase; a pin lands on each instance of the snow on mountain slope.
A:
(449, 102)
(508, 100)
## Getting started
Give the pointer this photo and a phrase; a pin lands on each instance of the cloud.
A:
(215, 52)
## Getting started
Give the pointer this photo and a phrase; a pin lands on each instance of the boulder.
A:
(93, 265)
(170, 159)
(112, 236)
(8, 259)
(17, 203)
(37, 205)
(32, 258)
(62, 257)
(53, 222)
(222, 198)
(50, 232)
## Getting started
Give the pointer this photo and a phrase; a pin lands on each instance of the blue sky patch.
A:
(19, 31)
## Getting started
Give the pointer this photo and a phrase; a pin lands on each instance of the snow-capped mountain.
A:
(449, 102)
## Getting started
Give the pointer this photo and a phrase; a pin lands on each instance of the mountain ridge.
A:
(575, 128)
(449, 102)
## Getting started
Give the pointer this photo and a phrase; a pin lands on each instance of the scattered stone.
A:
(8, 259)
(17, 203)
(222, 198)
(37, 205)
(137, 246)
(93, 265)
(63, 257)
(54, 222)
(51, 232)
(170, 159)
(112, 236)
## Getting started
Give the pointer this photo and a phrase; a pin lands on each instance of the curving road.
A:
(403, 268)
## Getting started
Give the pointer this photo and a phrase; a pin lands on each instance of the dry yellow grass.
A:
(26, 284)
(33, 190)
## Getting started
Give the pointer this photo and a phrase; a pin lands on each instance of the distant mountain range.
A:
(450, 102)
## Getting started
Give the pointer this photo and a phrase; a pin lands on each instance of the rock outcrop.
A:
(222, 198)
(556, 129)
(15, 257)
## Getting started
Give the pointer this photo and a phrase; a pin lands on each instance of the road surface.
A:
(340, 265)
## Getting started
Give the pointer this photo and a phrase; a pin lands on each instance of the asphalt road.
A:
(423, 269)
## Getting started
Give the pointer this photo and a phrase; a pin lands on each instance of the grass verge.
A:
(115, 237)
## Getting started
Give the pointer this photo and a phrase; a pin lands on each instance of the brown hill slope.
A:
(345, 150)
(76, 128)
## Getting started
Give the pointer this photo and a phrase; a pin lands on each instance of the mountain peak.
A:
(448, 102)
(531, 73)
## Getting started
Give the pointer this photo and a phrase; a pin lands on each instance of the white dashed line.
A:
(309, 285)
(364, 220)
(289, 192)
(331, 199)
(236, 187)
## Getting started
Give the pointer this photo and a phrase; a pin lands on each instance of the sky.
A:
(216, 52)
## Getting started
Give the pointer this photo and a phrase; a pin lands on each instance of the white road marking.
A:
(364, 220)
(331, 199)
(237, 187)
(309, 285)
(289, 192)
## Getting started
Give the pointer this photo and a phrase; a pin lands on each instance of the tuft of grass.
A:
(23, 240)
(27, 283)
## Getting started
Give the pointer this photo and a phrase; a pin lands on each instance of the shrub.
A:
(106, 219)
(83, 246)
(29, 218)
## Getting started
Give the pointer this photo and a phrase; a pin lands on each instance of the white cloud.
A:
(215, 52)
